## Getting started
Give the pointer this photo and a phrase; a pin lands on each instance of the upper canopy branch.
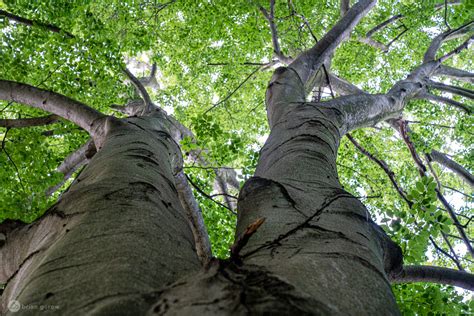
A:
(436, 43)
(28, 22)
(82, 115)
(309, 62)
(275, 41)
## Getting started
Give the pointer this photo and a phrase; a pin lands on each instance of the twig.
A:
(208, 196)
(233, 92)
(11, 160)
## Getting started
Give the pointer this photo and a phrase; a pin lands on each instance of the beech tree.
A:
(147, 193)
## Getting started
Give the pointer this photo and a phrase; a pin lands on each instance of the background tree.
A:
(215, 86)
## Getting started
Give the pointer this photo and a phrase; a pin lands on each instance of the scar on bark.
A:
(243, 239)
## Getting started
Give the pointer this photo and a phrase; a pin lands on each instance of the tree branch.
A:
(457, 50)
(402, 127)
(309, 62)
(433, 274)
(141, 90)
(270, 16)
(456, 104)
(29, 122)
(430, 54)
(344, 7)
(194, 214)
(455, 73)
(384, 166)
(462, 172)
(383, 25)
(208, 196)
(24, 21)
(82, 115)
(452, 89)
(73, 162)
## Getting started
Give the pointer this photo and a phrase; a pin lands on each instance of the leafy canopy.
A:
(211, 58)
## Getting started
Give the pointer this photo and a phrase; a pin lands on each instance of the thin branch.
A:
(430, 54)
(28, 22)
(457, 50)
(141, 90)
(383, 25)
(344, 6)
(29, 122)
(208, 196)
(384, 166)
(402, 127)
(455, 190)
(195, 219)
(456, 222)
(455, 73)
(433, 274)
(11, 160)
(456, 104)
(233, 91)
(304, 19)
(454, 258)
(452, 89)
(270, 16)
(446, 14)
(72, 163)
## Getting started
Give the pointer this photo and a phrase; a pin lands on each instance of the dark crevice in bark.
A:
(331, 234)
(276, 242)
(30, 256)
(237, 290)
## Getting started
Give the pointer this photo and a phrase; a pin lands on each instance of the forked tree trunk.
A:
(118, 242)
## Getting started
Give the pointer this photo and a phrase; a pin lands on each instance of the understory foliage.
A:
(214, 60)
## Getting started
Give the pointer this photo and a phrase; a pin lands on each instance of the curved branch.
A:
(140, 88)
(384, 166)
(453, 166)
(29, 122)
(82, 115)
(433, 274)
(275, 41)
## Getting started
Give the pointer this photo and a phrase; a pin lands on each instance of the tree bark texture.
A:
(117, 234)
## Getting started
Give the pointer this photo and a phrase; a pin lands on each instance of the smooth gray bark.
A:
(462, 172)
(116, 236)
(82, 115)
(435, 275)
(119, 240)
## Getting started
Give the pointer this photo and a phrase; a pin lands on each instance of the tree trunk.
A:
(117, 234)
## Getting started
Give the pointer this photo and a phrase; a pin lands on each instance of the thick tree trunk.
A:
(117, 235)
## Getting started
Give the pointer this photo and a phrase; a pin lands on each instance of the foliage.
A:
(204, 51)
